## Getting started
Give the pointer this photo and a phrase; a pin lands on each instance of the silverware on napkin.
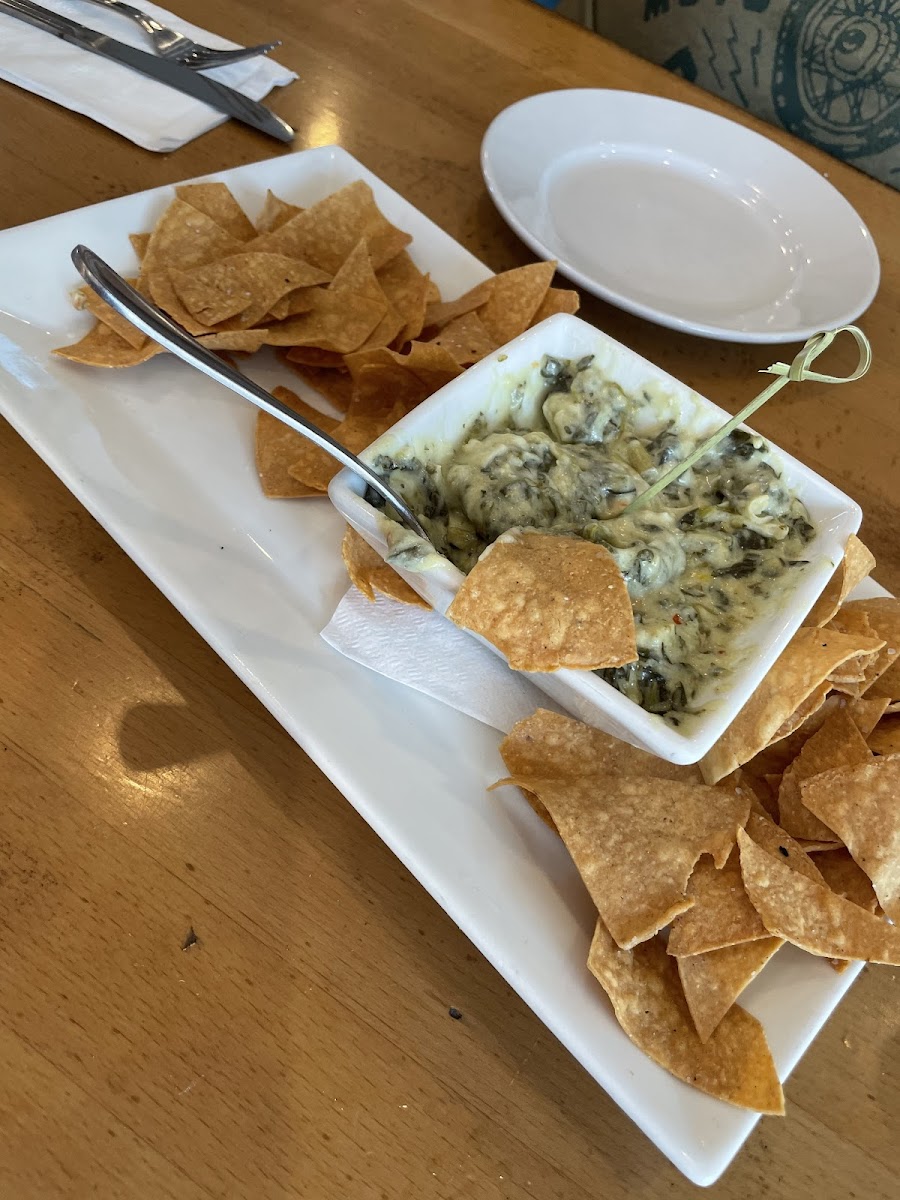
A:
(168, 43)
(173, 74)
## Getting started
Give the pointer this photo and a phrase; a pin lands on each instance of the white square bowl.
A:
(439, 424)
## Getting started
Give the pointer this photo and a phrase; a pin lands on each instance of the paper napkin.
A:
(143, 110)
(425, 651)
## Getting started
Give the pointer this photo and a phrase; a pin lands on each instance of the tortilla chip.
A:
(242, 284)
(162, 292)
(335, 386)
(777, 842)
(466, 339)
(862, 804)
(275, 213)
(635, 842)
(847, 879)
(139, 243)
(557, 300)
(885, 737)
(342, 315)
(405, 286)
(548, 602)
(87, 299)
(713, 981)
(359, 428)
(514, 297)
(805, 664)
(439, 313)
(810, 915)
(370, 573)
(326, 234)
(548, 745)
(245, 341)
(734, 1065)
(883, 612)
(867, 712)
(185, 237)
(102, 347)
(808, 708)
(291, 305)
(856, 564)
(385, 331)
(217, 202)
(311, 356)
(277, 447)
(722, 914)
(837, 744)
(430, 363)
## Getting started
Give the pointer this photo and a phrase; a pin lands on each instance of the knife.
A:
(174, 75)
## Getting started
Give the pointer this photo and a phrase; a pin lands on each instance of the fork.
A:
(178, 48)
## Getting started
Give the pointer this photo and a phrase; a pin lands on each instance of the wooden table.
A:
(145, 791)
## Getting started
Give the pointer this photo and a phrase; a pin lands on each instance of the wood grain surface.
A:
(302, 1046)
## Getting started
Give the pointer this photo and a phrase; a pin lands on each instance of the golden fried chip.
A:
(139, 242)
(514, 297)
(405, 287)
(466, 339)
(217, 202)
(359, 428)
(430, 363)
(310, 356)
(102, 347)
(162, 292)
(810, 915)
(734, 1065)
(837, 744)
(241, 284)
(548, 745)
(342, 315)
(804, 665)
(804, 711)
(862, 805)
(387, 329)
(335, 386)
(185, 237)
(712, 981)
(275, 213)
(277, 447)
(778, 842)
(883, 612)
(247, 341)
(290, 305)
(86, 298)
(370, 573)
(721, 915)
(847, 879)
(548, 602)
(867, 712)
(557, 300)
(856, 564)
(326, 234)
(885, 737)
(636, 841)
(439, 313)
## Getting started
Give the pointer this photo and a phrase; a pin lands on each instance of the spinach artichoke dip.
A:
(703, 559)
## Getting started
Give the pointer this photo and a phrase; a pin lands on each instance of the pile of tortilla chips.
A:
(788, 831)
(334, 289)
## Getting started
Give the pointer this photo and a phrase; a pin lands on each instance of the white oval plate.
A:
(679, 216)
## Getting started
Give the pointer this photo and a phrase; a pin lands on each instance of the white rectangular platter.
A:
(163, 458)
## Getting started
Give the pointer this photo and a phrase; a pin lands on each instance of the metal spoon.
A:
(151, 320)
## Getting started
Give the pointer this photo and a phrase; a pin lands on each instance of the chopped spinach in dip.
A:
(701, 561)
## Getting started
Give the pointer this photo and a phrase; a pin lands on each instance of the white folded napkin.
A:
(427, 652)
(147, 112)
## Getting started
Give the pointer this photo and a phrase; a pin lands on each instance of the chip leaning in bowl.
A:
(705, 558)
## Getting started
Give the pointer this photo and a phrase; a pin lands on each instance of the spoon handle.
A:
(151, 320)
